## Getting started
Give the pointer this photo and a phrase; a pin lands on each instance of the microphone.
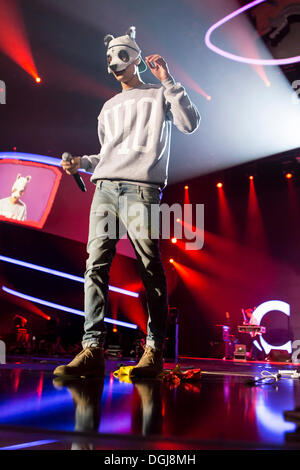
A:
(67, 157)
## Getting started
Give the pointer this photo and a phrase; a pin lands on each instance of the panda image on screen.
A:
(13, 207)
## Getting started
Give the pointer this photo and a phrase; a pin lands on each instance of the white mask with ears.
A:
(19, 185)
(123, 51)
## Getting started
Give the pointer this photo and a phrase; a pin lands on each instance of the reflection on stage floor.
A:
(221, 410)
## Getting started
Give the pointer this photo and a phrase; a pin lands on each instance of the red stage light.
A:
(14, 41)
(174, 240)
(115, 330)
(38, 80)
(220, 185)
(186, 187)
(171, 260)
(289, 176)
(255, 229)
(177, 220)
(251, 177)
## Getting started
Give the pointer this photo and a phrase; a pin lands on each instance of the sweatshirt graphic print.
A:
(134, 129)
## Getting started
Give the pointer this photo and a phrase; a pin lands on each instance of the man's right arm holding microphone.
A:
(71, 167)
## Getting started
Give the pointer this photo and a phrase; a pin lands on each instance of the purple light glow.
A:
(64, 308)
(62, 274)
(25, 445)
(237, 58)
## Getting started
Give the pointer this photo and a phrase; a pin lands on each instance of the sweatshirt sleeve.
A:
(89, 162)
(185, 114)
(23, 213)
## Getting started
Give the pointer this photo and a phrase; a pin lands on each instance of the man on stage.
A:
(134, 132)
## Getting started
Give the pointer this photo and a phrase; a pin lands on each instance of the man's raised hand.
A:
(158, 66)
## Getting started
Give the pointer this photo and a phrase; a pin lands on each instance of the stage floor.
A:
(219, 411)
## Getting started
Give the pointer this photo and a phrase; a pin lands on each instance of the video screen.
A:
(27, 191)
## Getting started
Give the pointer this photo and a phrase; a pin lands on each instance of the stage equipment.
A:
(240, 352)
(291, 374)
(20, 342)
(223, 342)
(171, 351)
(114, 343)
(255, 329)
(278, 355)
(19, 322)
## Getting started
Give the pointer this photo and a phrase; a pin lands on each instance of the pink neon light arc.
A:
(237, 58)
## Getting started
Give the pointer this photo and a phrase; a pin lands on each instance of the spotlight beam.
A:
(13, 38)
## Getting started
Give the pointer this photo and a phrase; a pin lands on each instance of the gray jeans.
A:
(113, 213)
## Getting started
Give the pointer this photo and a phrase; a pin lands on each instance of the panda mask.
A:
(19, 185)
(123, 51)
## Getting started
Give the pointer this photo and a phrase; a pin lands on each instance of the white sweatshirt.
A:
(135, 129)
(15, 211)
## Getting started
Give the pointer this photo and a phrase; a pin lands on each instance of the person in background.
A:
(13, 207)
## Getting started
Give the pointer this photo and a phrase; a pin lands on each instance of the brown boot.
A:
(150, 364)
(88, 363)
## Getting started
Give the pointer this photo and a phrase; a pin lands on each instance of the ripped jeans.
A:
(114, 206)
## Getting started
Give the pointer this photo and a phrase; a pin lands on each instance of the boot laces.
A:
(86, 352)
(149, 353)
